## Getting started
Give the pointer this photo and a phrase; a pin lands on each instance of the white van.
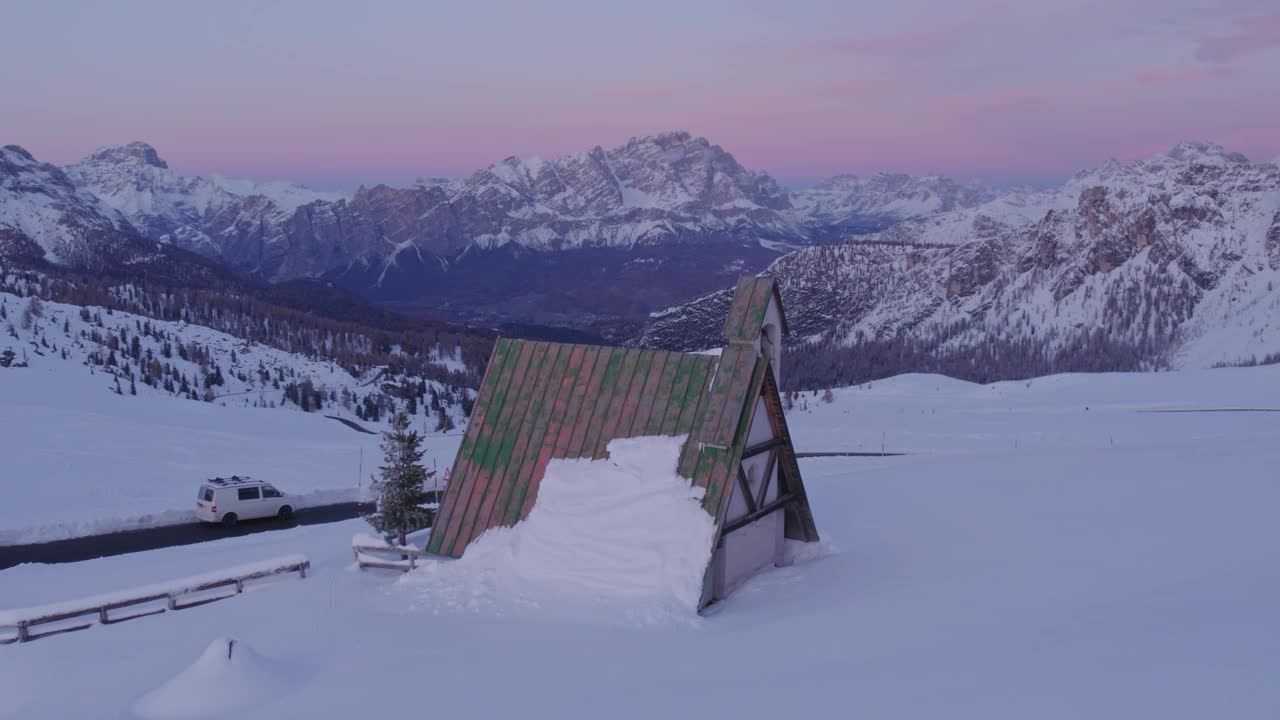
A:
(229, 500)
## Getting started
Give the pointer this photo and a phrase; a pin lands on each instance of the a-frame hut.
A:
(541, 401)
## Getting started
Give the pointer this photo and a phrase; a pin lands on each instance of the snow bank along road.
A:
(97, 546)
(79, 460)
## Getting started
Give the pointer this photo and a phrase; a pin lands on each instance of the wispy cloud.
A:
(1246, 35)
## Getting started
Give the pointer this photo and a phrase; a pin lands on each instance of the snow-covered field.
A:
(1047, 552)
(77, 459)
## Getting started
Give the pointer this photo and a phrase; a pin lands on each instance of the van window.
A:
(248, 493)
(270, 492)
(205, 494)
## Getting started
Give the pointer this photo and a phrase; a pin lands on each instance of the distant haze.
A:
(335, 94)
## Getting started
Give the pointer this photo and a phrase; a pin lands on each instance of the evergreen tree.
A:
(401, 491)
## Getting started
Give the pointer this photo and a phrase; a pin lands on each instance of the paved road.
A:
(1215, 410)
(352, 424)
(95, 546)
(848, 454)
(87, 548)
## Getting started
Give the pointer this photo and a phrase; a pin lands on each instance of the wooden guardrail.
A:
(27, 624)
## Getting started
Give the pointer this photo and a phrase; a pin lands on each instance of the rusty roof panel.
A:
(479, 414)
(542, 401)
(516, 440)
(617, 401)
(748, 308)
(600, 409)
(736, 361)
(579, 438)
(470, 458)
(738, 308)
(486, 456)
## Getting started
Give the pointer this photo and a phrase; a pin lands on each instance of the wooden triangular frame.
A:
(792, 498)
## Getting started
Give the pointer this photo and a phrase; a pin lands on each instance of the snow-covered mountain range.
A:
(614, 233)
(1171, 260)
(143, 355)
(187, 212)
(850, 205)
(671, 213)
(44, 215)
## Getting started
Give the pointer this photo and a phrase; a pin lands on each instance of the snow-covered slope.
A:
(652, 188)
(148, 407)
(288, 196)
(657, 220)
(1048, 552)
(182, 211)
(1170, 260)
(849, 205)
(43, 216)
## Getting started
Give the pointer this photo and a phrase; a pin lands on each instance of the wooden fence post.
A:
(24, 633)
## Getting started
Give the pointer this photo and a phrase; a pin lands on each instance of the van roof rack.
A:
(233, 480)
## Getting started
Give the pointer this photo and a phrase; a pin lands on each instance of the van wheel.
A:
(285, 514)
(229, 520)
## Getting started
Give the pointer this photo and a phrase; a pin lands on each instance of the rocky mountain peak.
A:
(1166, 261)
(138, 153)
(672, 137)
(850, 204)
(17, 150)
(1199, 151)
(21, 171)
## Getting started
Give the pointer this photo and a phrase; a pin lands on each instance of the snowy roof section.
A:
(541, 401)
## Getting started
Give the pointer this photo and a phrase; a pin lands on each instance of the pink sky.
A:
(337, 94)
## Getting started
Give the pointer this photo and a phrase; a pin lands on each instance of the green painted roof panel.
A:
(541, 401)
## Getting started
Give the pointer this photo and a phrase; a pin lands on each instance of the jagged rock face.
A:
(654, 221)
(191, 213)
(44, 217)
(625, 231)
(647, 210)
(161, 205)
(667, 189)
(1174, 257)
(1273, 243)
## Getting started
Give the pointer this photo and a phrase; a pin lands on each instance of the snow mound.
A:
(626, 536)
(229, 676)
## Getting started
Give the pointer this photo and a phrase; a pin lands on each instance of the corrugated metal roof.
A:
(750, 303)
(541, 401)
